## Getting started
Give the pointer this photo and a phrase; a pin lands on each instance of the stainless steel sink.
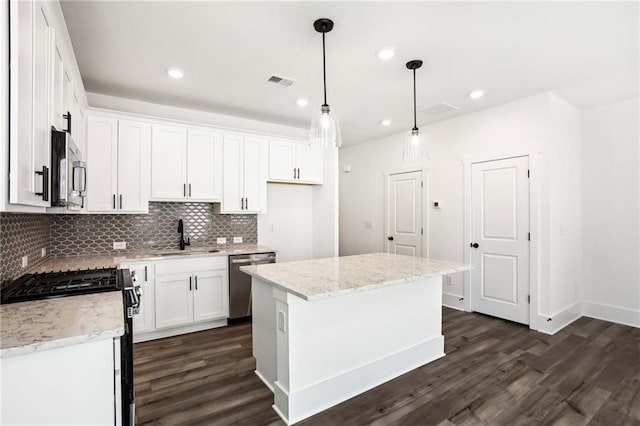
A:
(187, 252)
(174, 253)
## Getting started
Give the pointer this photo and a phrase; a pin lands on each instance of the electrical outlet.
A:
(221, 240)
(282, 321)
(237, 240)
(119, 245)
(448, 280)
(368, 224)
(43, 252)
(25, 261)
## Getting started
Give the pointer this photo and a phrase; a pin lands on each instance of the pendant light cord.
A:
(415, 121)
(324, 70)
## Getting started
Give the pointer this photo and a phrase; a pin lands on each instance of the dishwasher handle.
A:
(270, 259)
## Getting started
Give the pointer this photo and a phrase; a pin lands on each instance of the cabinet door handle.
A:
(246, 203)
(242, 203)
(114, 201)
(184, 189)
(145, 273)
(298, 173)
(120, 201)
(196, 282)
(294, 172)
(189, 190)
(45, 183)
(190, 288)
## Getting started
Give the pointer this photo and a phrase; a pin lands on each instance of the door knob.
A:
(390, 238)
(475, 245)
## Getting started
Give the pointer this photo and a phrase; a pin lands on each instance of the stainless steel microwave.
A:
(68, 172)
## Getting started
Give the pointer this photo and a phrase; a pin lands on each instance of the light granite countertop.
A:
(321, 278)
(52, 323)
(66, 263)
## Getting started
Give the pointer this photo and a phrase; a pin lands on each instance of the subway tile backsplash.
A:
(77, 235)
(22, 235)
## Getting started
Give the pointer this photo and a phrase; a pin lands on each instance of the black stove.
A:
(72, 283)
(59, 284)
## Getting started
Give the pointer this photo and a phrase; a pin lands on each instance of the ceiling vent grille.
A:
(281, 81)
(440, 108)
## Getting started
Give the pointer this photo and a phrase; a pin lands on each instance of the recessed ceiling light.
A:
(386, 54)
(175, 73)
(302, 102)
(476, 94)
(386, 122)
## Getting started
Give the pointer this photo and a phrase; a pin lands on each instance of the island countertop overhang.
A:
(322, 278)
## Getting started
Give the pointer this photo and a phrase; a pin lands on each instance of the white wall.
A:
(516, 128)
(288, 224)
(611, 211)
(326, 209)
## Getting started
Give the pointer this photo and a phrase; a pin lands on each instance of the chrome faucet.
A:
(181, 231)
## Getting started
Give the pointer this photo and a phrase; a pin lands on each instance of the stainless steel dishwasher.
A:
(240, 283)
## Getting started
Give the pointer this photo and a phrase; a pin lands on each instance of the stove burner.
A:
(60, 284)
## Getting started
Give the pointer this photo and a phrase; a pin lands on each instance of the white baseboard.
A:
(174, 331)
(556, 322)
(265, 381)
(611, 313)
(313, 399)
(453, 301)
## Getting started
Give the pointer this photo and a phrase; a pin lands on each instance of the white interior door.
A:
(500, 238)
(405, 214)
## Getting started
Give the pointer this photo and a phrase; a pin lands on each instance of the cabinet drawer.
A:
(176, 266)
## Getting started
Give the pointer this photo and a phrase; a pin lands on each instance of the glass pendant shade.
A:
(325, 128)
(412, 147)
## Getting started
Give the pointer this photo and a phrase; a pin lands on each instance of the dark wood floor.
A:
(495, 373)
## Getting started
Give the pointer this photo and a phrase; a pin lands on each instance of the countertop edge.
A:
(369, 287)
(60, 343)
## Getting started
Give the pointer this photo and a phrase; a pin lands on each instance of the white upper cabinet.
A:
(102, 164)
(168, 163)
(133, 166)
(294, 162)
(30, 91)
(204, 165)
(117, 166)
(245, 174)
(186, 164)
(41, 91)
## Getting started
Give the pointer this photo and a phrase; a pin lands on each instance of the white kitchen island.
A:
(326, 330)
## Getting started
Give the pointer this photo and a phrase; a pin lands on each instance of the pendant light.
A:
(411, 148)
(325, 127)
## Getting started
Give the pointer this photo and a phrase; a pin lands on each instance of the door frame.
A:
(534, 228)
(424, 169)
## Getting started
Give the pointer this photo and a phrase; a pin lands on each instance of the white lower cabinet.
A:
(75, 384)
(190, 291)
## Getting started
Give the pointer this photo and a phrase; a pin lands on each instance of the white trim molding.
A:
(454, 301)
(611, 313)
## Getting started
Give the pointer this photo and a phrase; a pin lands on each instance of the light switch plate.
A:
(25, 261)
(282, 321)
(43, 252)
(368, 224)
(237, 240)
(119, 245)
(221, 240)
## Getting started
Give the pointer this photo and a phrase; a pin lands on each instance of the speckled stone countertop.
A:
(66, 263)
(45, 324)
(321, 278)
(52, 323)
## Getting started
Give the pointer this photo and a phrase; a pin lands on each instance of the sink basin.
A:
(187, 252)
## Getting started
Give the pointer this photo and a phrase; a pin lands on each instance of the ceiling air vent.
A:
(440, 108)
(281, 81)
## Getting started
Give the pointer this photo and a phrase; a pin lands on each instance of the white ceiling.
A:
(587, 52)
